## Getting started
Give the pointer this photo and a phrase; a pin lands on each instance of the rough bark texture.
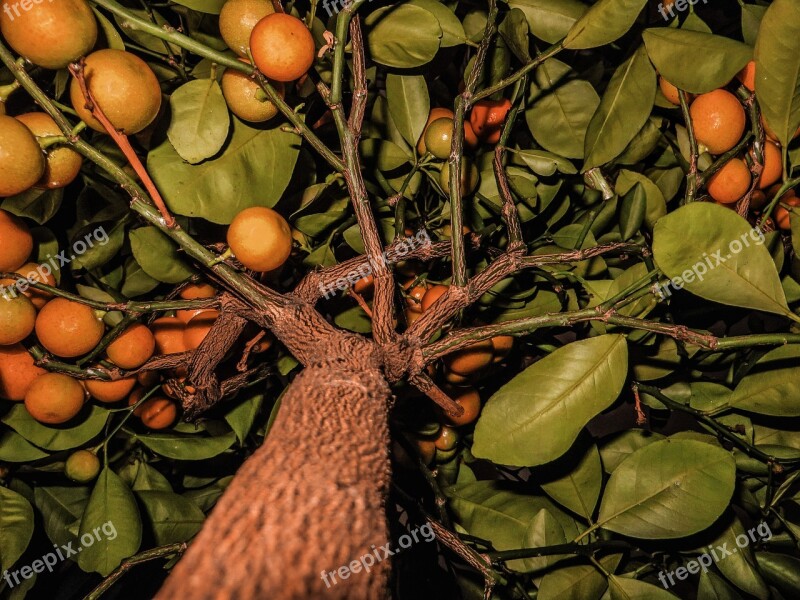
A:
(311, 499)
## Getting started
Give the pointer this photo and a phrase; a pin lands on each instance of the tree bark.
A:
(310, 500)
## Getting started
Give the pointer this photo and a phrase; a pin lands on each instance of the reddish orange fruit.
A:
(731, 182)
(487, 118)
(198, 327)
(282, 47)
(17, 372)
(432, 295)
(68, 328)
(110, 391)
(168, 333)
(132, 348)
(158, 412)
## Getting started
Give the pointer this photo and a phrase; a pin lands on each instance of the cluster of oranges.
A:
(719, 122)
(485, 124)
(459, 372)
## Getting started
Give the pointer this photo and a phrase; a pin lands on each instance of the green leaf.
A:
(675, 54)
(61, 509)
(212, 7)
(546, 163)
(619, 447)
(137, 282)
(16, 527)
(140, 477)
(113, 37)
(740, 567)
(514, 30)
(544, 530)
(403, 36)
(171, 517)
(37, 204)
(159, 256)
(409, 104)
(624, 588)
(496, 512)
(200, 120)
(187, 447)
(558, 121)
(705, 236)
(550, 20)
(656, 203)
(254, 169)
(15, 448)
(623, 111)
(713, 587)
(668, 489)
(452, 29)
(781, 571)
(751, 21)
(242, 416)
(112, 516)
(777, 55)
(205, 498)
(84, 427)
(536, 417)
(583, 581)
(605, 22)
(579, 488)
(772, 386)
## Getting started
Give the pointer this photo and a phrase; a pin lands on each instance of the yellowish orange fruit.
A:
(123, 86)
(62, 164)
(54, 398)
(17, 241)
(237, 20)
(17, 319)
(22, 161)
(246, 99)
(471, 359)
(260, 238)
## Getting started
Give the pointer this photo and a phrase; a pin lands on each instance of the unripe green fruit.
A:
(469, 177)
(82, 466)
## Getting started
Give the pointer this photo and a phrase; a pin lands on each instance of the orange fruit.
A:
(439, 137)
(82, 466)
(125, 88)
(731, 182)
(436, 113)
(54, 398)
(148, 378)
(469, 177)
(432, 295)
(246, 99)
(502, 345)
(197, 329)
(782, 215)
(188, 314)
(62, 164)
(470, 139)
(22, 161)
(487, 118)
(411, 316)
(17, 241)
(773, 165)
(136, 395)
(365, 285)
(427, 450)
(158, 412)
(670, 92)
(132, 348)
(49, 34)
(168, 333)
(67, 328)
(454, 378)
(471, 359)
(748, 76)
(260, 238)
(415, 295)
(237, 20)
(446, 439)
(758, 200)
(197, 291)
(33, 272)
(718, 120)
(109, 392)
(771, 134)
(282, 47)
(17, 319)
(17, 372)
(470, 400)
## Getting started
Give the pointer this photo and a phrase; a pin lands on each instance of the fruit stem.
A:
(692, 182)
(7, 90)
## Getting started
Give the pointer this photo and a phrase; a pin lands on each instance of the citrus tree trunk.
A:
(309, 500)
